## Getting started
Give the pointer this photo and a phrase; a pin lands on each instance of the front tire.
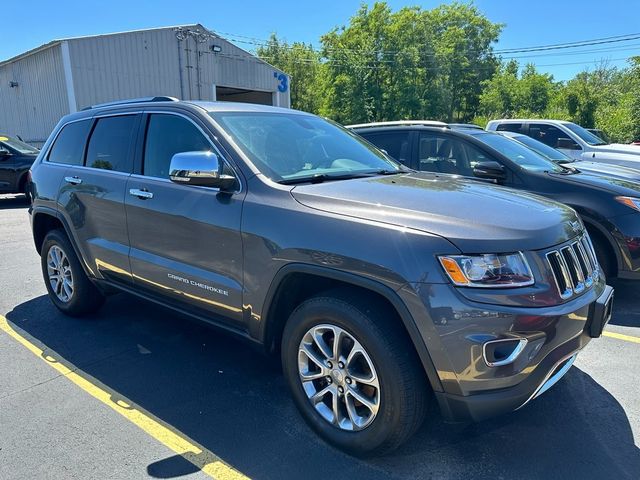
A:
(69, 288)
(353, 373)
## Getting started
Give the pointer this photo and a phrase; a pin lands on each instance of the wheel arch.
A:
(295, 283)
(613, 252)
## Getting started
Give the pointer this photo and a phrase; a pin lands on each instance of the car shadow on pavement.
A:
(626, 307)
(8, 202)
(224, 395)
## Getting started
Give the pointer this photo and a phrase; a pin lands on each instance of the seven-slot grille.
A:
(574, 267)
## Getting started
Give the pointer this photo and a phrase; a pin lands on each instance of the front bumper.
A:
(473, 390)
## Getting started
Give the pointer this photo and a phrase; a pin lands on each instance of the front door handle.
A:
(73, 180)
(141, 194)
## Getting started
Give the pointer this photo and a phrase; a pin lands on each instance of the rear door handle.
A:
(141, 194)
(73, 180)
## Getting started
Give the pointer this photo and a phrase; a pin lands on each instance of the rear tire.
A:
(69, 288)
(402, 392)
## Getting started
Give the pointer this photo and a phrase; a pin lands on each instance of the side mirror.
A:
(4, 153)
(489, 169)
(203, 169)
(567, 144)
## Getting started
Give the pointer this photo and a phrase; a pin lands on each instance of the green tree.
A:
(302, 63)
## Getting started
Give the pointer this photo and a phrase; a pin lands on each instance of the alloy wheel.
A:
(59, 274)
(338, 377)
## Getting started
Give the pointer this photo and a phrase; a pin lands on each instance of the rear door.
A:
(92, 198)
(185, 240)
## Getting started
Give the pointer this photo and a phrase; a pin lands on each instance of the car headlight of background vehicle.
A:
(488, 270)
(630, 202)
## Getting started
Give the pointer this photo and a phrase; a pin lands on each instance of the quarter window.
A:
(166, 136)
(69, 145)
(110, 142)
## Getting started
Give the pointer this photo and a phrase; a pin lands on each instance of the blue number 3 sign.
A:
(284, 81)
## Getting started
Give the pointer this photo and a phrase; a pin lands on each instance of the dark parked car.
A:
(609, 207)
(16, 157)
(379, 288)
(606, 169)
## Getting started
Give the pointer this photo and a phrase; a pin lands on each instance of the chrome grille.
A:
(574, 267)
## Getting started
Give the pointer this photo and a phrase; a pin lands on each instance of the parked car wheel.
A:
(354, 375)
(603, 254)
(69, 288)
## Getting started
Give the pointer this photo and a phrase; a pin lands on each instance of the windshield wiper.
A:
(322, 177)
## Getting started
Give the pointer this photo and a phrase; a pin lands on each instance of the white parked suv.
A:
(571, 139)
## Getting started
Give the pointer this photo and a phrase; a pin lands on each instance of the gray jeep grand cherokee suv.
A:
(380, 288)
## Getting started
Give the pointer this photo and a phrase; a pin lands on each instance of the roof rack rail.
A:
(426, 123)
(161, 98)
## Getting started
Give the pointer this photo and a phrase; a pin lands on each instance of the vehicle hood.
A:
(474, 216)
(613, 151)
(608, 169)
(615, 185)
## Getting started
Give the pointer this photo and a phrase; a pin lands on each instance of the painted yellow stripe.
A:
(202, 458)
(620, 336)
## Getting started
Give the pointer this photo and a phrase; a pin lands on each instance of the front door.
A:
(7, 167)
(185, 240)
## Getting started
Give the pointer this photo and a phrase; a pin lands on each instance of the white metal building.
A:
(188, 62)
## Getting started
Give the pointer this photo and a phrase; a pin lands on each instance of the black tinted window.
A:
(110, 142)
(547, 134)
(395, 144)
(447, 154)
(166, 136)
(69, 145)
(510, 127)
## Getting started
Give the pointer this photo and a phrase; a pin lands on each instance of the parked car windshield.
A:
(519, 154)
(16, 144)
(544, 149)
(584, 134)
(293, 147)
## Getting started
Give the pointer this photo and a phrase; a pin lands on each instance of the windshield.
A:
(16, 144)
(289, 147)
(544, 149)
(584, 134)
(519, 154)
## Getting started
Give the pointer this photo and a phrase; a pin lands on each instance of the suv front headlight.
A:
(488, 270)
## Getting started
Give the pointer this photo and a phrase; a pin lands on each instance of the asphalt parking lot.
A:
(119, 394)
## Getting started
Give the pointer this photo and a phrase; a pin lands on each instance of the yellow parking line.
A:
(620, 336)
(202, 458)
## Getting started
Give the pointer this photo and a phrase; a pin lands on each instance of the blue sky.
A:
(29, 23)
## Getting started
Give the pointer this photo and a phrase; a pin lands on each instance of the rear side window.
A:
(510, 127)
(69, 145)
(166, 136)
(396, 144)
(110, 144)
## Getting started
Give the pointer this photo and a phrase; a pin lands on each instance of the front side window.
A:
(110, 144)
(290, 147)
(543, 149)
(523, 156)
(396, 144)
(166, 136)
(69, 144)
(447, 154)
(547, 134)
